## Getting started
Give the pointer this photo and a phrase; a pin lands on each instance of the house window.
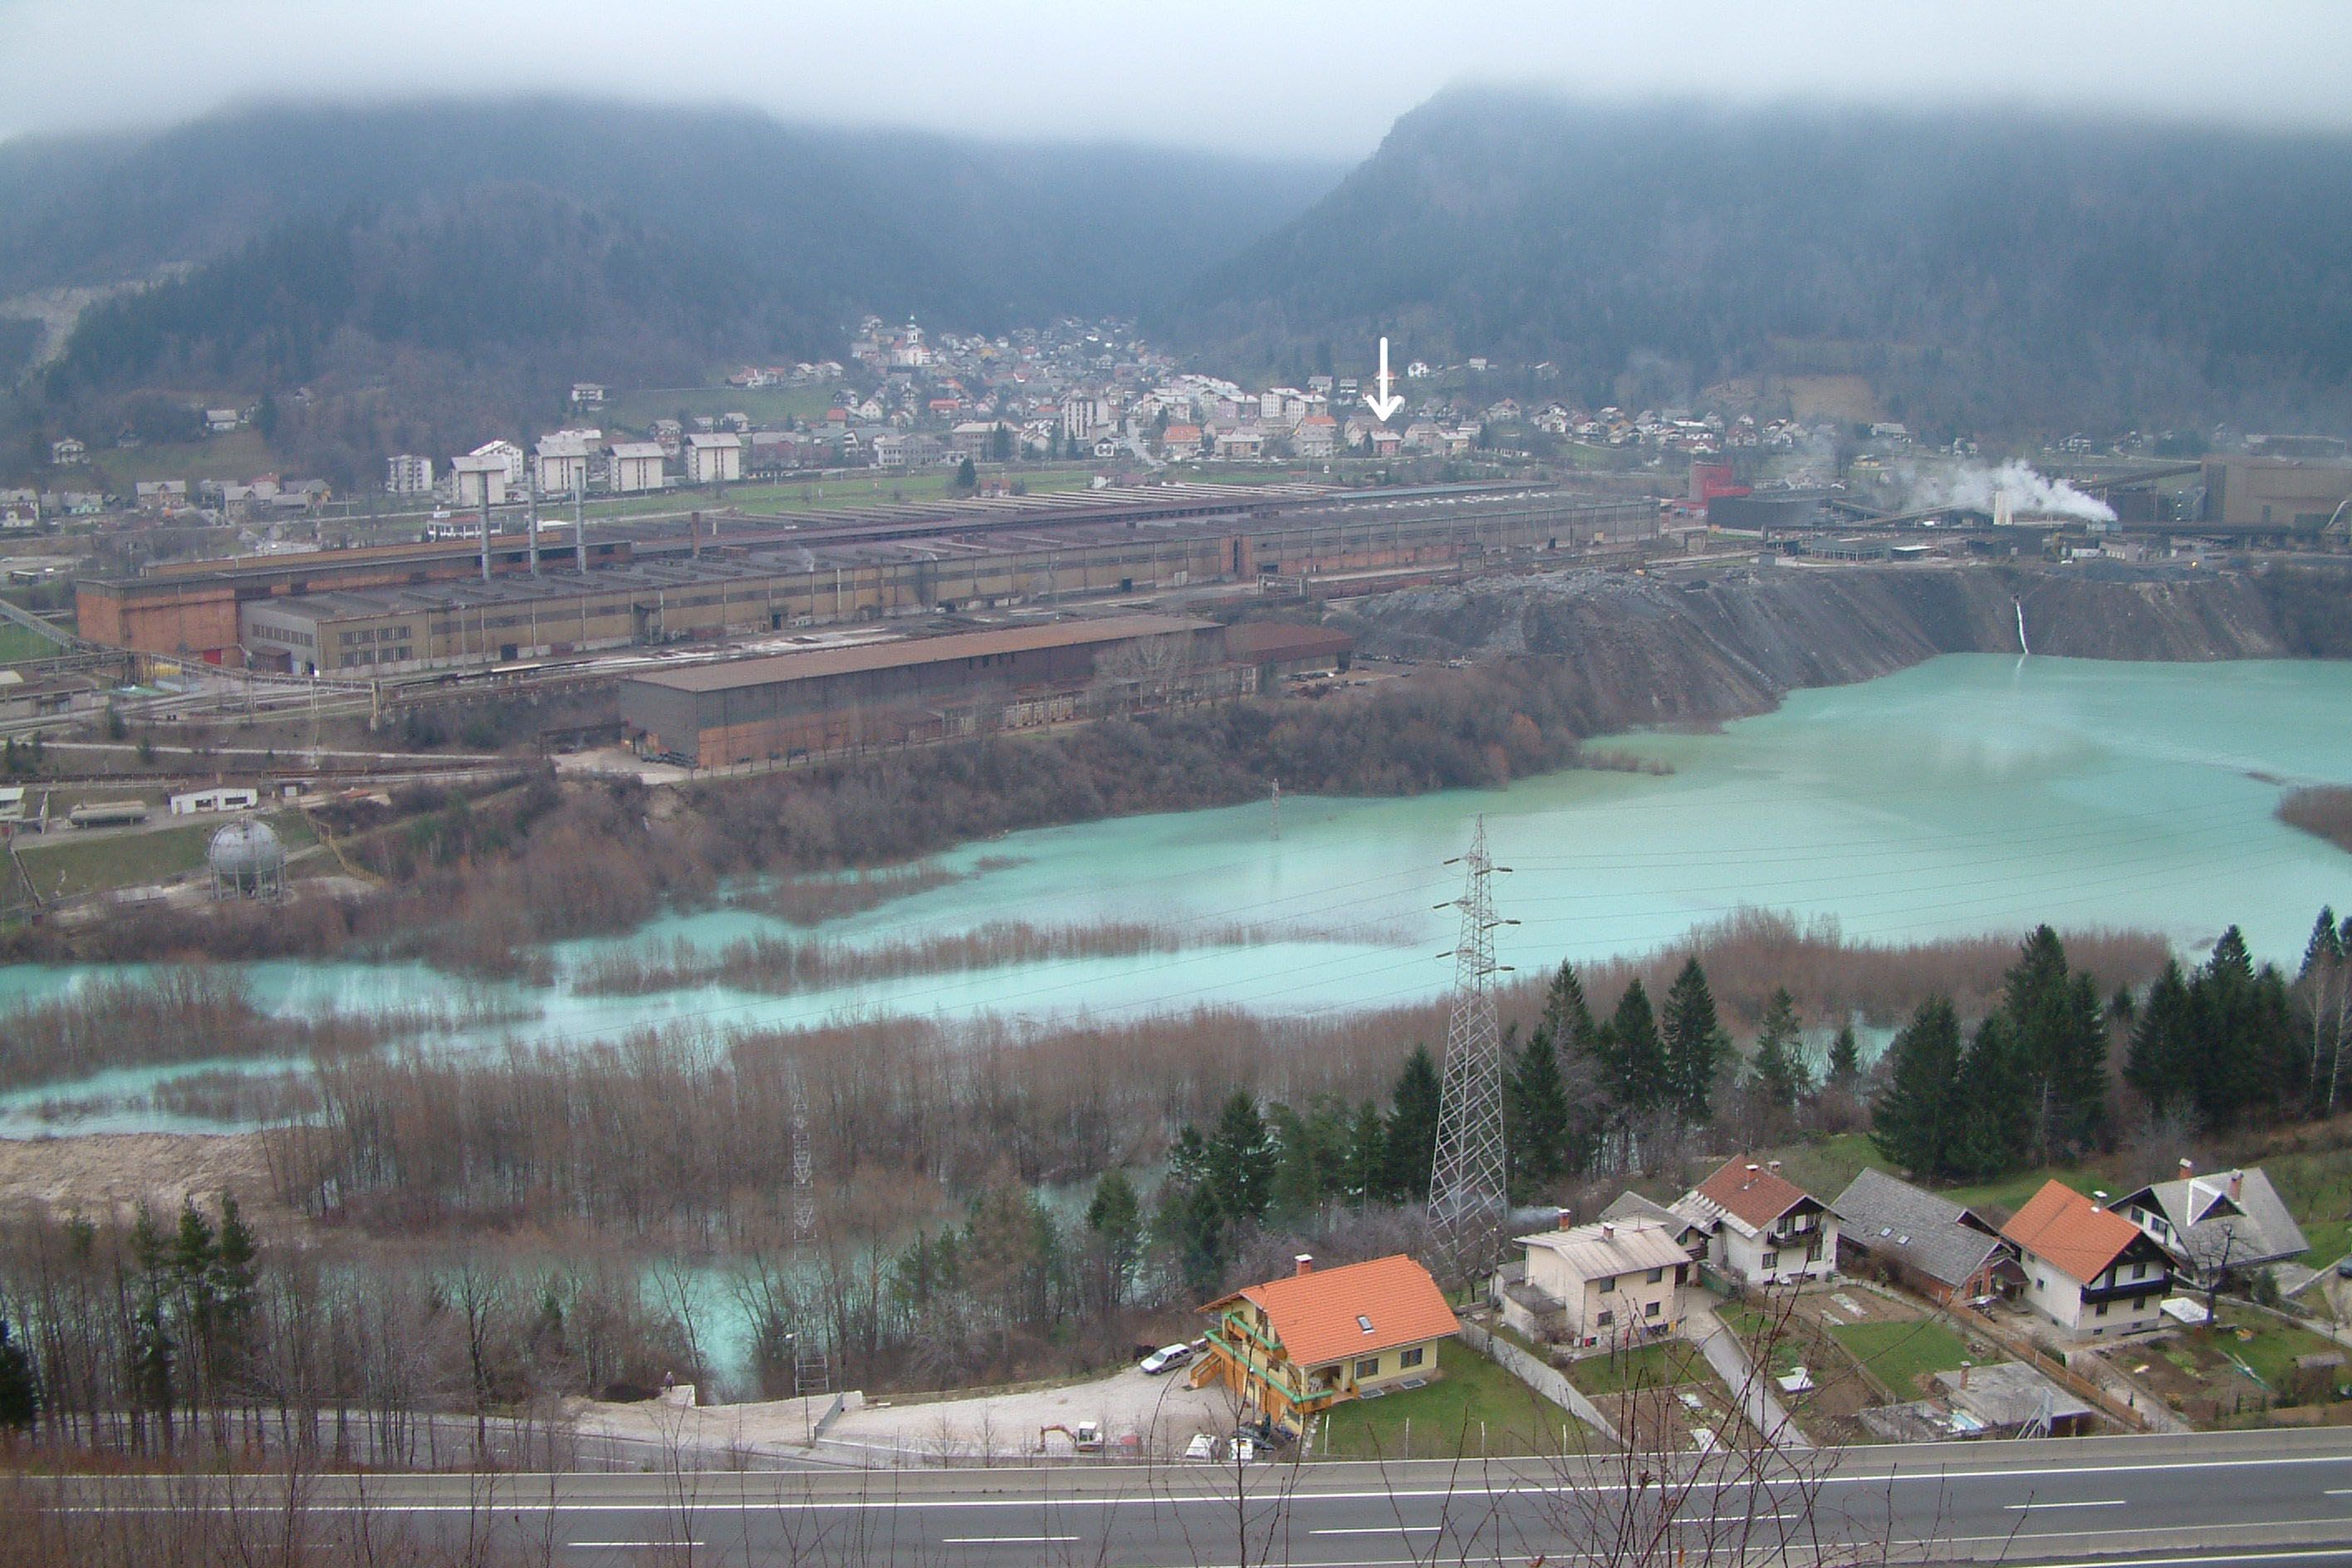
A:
(1410, 1358)
(1369, 1366)
(2139, 1271)
(1771, 1260)
(1649, 1311)
(1657, 1276)
(2102, 1311)
(1363, 1322)
(1607, 1317)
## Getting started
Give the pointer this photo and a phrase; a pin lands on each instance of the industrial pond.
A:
(1974, 792)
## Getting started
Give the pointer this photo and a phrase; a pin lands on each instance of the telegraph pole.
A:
(1468, 1195)
(811, 1369)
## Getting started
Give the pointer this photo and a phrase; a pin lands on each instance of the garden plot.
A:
(2242, 1370)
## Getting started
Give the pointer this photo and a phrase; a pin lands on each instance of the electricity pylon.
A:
(1468, 1198)
(811, 1368)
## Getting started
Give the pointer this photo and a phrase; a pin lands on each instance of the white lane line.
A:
(2337, 1492)
(635, 1545)
(1730, 1520)
(2035, 1507)
(1006, 1540)
(1379, 1529)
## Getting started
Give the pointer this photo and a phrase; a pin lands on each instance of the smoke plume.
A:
(2031, 494)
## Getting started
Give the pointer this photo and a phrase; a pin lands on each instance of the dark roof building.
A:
(1940, 1248)
(2215, 1225)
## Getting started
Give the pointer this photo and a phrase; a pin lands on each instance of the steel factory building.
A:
(928, 688)
(409, 609)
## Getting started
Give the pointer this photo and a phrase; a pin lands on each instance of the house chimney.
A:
(2187, 1167)
(1608, 1230)
(1304, 1263)
(2237, 1185)
(1753, 1167)
(1964, 1374)
(1773, 1166)
(1565, 1216)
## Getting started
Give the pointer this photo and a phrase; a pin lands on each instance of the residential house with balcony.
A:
(1762, 1228)
(2088, 1269)
(2230, 1223)
(1598, 1284)
(1294, 1347)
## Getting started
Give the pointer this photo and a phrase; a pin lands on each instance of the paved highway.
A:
(2282, 1498)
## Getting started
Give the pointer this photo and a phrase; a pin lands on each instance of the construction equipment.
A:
(1085, 1437)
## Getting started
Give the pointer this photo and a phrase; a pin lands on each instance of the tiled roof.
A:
(1321, 1316)
(2216, 1230)
(1749, 1192)
(2074, 1235)
(1891, 1218)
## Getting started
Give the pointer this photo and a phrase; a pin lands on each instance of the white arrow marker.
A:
(1385, 403)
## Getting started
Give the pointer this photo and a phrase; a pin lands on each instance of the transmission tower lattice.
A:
(1467, 1196)
(811, 1368)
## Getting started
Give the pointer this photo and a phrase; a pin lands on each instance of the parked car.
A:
(1203, 1448)
(1167, 1358)
(2344, 1266)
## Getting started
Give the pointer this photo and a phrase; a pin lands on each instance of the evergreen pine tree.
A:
(1915, 1119)
(1986, 1138)
(20, 1391)
(2056, 1043)
(1696, 1044)
(1363, 1172)
(1240, 1171)
(1781, 1074)
(1845, 1060)
(1538, 1145)
(1411, 1136)
(1636, 1057)
(1115, 1220)
(2161, 1060)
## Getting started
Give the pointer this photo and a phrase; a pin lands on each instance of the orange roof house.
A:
(2088, 1269)
(1298, 1345)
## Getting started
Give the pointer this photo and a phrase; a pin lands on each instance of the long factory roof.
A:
(735, 673)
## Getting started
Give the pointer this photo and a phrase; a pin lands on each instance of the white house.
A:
(408, 475)
(2088, 1269)
(587, 393)
(475, 480)
(1604, 1283)
(714, 459)
(509, 457)
(563, 461)
(66, 452)
(1762, 1228)
(220, 419)
(636, 465)
(223, 798)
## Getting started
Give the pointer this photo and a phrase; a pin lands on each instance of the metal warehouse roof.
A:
(780, 668)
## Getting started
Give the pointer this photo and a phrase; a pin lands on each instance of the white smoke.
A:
(2030, 494)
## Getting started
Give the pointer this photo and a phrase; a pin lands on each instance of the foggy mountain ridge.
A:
(938, 217)
(1988, 269)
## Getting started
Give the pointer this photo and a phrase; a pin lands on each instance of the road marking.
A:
(2102, 1503)
(2337, 1492)
(1379, 1529)
(2209, 1562)
(634, 1545)
(1006, 1540)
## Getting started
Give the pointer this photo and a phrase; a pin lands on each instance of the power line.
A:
(1468, 1171)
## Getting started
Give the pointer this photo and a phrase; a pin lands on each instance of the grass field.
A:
(67, 866)
(764, 405)
(20, 643)
(1475, 1408)
(1902, 1355)
(237, 455)
(2273, 1346)
(1666, 1364)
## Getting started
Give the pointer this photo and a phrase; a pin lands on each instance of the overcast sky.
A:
(1325, 78)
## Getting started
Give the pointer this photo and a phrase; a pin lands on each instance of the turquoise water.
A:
(1972, 793)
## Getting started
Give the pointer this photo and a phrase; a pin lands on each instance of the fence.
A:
(1548, 1381)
